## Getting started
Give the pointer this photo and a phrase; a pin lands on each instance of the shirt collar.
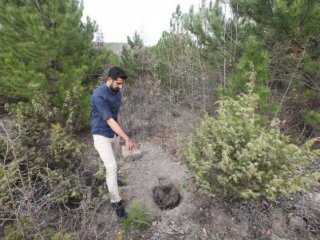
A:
(109, 90)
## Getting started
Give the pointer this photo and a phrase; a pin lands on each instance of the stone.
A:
(269, 237)
(297, 223)
(315, 197)
(131, 155)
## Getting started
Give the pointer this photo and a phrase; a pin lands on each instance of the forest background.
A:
(50, 66)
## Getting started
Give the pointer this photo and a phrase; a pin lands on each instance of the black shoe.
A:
(120, 210)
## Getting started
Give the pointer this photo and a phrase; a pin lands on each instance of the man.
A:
(106, 126)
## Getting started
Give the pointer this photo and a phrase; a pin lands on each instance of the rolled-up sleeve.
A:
(102, 107)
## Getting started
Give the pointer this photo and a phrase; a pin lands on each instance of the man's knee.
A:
(111, 168)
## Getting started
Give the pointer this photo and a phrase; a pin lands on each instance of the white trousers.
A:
(107, 149)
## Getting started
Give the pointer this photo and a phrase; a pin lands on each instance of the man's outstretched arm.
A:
(118, 130)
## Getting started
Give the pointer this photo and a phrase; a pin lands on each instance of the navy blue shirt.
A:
(105, 104)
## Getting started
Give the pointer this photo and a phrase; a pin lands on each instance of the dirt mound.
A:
(166, 195)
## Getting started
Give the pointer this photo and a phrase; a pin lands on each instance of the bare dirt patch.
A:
(200, 217)
(197, 216)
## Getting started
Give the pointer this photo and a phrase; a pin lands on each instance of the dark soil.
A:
(166, 195)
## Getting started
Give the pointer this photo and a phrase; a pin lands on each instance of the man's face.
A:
(115, 85)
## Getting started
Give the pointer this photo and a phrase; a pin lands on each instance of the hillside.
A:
(115, 46)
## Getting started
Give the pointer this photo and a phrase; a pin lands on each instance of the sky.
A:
(118, 19)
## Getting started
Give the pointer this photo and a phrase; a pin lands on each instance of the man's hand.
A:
(118, 130)
(130, 145)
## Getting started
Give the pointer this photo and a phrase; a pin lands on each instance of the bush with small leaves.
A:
(63, 236)
(234, 155)
(41, 161)
(12, 233)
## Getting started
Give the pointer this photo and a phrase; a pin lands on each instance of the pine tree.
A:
(216, 37)
(289, 32)
(133, 57)
(44, 45)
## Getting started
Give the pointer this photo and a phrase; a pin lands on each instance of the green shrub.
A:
(41, 164)
(137, 217)
(65, 152)
(74, 113)
(312, 118)
(12, 233)
(233, 154)
(54, 167)
(54, 234)
(40, 150)
(63, 236)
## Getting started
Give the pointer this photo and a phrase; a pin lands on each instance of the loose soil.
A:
(197, 216)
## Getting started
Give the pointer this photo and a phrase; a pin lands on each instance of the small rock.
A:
(154, 223)
(204, 231)
(297, 223)
(268, 232)
(269, 237)
(315, 197)
(131, 155)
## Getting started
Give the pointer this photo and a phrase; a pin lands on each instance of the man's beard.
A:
(115, 89)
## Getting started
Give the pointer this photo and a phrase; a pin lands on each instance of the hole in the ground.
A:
(166, 195)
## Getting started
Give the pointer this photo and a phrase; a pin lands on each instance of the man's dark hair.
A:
(116, 72)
